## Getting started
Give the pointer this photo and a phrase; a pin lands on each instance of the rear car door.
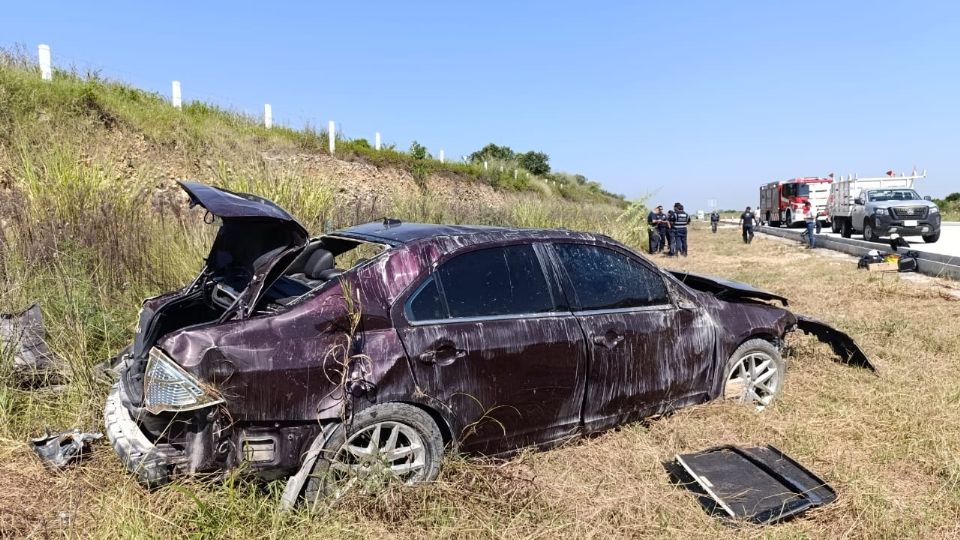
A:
(490, 337)
(646, 354)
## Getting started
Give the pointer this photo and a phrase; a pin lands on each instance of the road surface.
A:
(949, 243)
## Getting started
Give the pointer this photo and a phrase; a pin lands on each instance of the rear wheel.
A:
(834, 227)
(931, 238)
(846, 230)
(754, 373)
(393, 442)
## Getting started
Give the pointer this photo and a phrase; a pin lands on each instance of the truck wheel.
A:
(834, 227)
(754, 373)
(788, 221)
(846, 230)
(931, 238)
(869, 234)
(391, 442)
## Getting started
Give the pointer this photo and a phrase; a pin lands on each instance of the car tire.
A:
(409, 433)
(931, 238)
(846, 230)
(754, 373)
(869, 234)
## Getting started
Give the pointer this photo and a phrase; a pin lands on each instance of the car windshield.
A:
(878, 195)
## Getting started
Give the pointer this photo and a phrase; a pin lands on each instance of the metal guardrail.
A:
(931, 264)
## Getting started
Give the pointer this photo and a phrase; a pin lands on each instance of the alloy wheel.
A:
(378, 454)
(755, 378)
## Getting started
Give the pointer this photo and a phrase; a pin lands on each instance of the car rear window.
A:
(486, 283)
(605, 279)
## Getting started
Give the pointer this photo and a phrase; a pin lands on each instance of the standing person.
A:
(663, 228)
(669, 230)
(679, 227)
(747, 218)
(810, 219)
(714, 220)
(653, 230)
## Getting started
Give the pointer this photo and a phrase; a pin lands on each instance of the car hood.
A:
(725, 289)
(889, 204)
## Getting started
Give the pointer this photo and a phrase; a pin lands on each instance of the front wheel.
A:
(846, 230)
(392, 442)
(869, 234)
(931, 238)
(834, 227)
(754, 373)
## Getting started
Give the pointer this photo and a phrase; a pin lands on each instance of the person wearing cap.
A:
(678, 227)
(747, 219)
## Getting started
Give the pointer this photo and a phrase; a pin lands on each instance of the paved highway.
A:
(949, 243)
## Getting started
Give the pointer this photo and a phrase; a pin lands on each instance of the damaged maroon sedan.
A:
(365, 352)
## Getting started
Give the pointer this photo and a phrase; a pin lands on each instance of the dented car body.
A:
(294, 356)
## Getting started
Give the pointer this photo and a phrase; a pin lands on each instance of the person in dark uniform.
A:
(678, 224)
(655, 237)
(669, 229)
(663, 229)
(747, 219)
(714, 220)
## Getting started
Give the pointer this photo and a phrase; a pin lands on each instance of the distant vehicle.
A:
(781, 203)
(882, 206)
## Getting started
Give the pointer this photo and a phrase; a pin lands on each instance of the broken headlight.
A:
(168, 388)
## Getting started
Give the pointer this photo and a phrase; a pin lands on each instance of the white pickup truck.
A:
(882, 206)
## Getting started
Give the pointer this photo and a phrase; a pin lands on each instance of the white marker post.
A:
(332, 131)
(441, 156)
(175, 94)
(46, 71)
(267, 116)
(484, 166)
(376, 141)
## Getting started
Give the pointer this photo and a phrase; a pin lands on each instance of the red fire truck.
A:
(781, 203)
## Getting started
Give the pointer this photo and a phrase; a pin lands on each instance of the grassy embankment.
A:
(87, 233)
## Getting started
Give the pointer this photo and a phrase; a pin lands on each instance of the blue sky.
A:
(686, 100)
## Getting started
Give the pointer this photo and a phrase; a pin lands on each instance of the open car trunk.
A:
(255, 236)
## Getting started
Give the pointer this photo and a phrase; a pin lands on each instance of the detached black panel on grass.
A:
(758, 484)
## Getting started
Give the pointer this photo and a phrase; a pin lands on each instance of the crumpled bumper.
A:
(142, 458)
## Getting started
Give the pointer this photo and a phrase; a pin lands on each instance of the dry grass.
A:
(887, 444)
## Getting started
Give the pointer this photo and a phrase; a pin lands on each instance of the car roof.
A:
(398, 233)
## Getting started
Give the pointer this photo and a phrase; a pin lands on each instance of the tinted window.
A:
(497, 281)
(426, 304)
(605, 279)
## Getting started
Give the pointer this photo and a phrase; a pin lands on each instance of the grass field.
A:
(888, 444)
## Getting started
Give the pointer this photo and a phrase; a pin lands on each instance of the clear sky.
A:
(687, 100)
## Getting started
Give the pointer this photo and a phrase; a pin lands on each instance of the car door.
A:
(646, 353)
(490, 337)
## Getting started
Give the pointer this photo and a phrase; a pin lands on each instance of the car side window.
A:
(485, 283)
(605, 279)
(426, 304)
(497, 281)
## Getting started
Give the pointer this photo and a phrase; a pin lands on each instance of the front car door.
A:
(490, 337)
(647, 353)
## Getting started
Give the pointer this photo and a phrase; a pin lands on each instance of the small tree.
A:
(492, 152)
(537, 163)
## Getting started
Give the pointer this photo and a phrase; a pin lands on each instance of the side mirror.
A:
(858, 200)
(927, 198)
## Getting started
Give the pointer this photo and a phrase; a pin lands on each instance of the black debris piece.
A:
(58, 450)
(842, 344)
(758, 484)
(22, 340)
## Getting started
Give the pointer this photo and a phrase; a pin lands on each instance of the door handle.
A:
(443, 356)
(609, 340)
